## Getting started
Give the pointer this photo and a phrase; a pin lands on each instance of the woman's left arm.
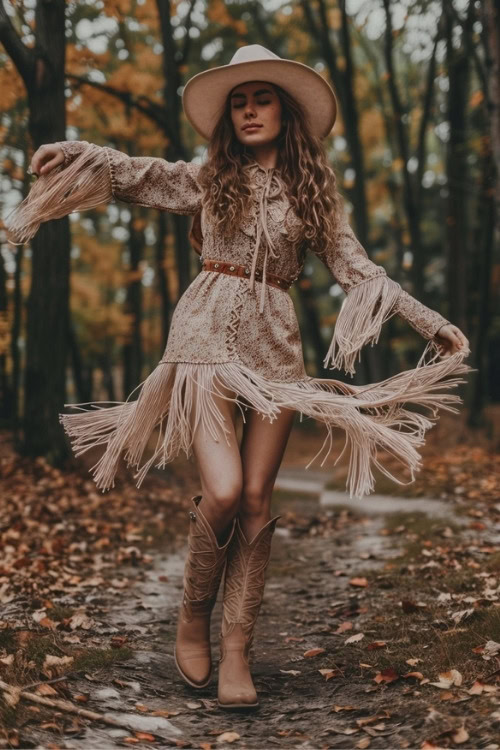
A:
(372, 298)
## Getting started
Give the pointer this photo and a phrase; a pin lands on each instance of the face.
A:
(258, 104)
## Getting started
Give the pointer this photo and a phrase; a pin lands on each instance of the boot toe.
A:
(195, 670)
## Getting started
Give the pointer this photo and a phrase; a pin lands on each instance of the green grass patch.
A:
(59, 612)
(93, 659)
(418, 634)
(38, 647)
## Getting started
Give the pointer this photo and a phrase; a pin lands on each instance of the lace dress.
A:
(242, 333)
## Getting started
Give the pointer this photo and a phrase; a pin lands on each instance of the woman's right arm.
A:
(91, 175)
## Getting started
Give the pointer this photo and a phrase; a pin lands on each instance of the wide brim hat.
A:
(204, 95)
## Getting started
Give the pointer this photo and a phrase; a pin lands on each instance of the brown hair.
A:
(311, 182)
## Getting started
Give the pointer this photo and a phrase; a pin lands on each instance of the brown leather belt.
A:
(233, 269)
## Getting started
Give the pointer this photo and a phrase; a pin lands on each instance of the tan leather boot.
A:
(202, 575)
(243, 592)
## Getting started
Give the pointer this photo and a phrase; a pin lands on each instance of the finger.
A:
(39, 158)
(49, 165)
(455, 339)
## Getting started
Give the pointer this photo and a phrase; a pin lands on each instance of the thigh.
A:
(262, 447)
(219, 462)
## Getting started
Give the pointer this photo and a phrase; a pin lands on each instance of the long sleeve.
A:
(91, 175)
(372, 298)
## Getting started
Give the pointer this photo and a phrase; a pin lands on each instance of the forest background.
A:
(85, 308)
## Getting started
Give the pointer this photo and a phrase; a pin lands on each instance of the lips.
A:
(250, 127)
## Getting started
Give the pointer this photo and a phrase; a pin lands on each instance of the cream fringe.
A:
(364, 310)
(85, 183)
(373, 417)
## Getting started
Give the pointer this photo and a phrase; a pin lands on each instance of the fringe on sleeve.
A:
(364, 310)
(85, 183)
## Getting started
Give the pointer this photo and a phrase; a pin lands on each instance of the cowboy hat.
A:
(204, 95)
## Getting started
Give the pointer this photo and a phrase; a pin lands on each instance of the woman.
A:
(264, 195)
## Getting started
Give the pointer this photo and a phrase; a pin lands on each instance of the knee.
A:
(255, 499)
(225, 500)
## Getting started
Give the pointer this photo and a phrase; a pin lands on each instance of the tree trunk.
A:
(162, 277)
(6, 404)
(81, 380)
(175, 150)
(487, 224)
(15, 335)
(457, 170)
(132, 351)
(42, 70)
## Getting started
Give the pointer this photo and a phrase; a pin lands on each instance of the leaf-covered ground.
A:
(377, 631)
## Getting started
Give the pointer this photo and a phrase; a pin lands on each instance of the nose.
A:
(249, 109)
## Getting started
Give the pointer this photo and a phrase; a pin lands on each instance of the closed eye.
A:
(239, 106)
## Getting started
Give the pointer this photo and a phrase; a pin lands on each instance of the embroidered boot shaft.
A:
(243, 593)
(202, 575)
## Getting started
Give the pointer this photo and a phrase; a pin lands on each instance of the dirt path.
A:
(334, 573)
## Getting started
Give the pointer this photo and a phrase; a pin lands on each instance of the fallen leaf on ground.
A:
(80, 620)
(355, 638)
(228, 737)
(461, 735)
(343, 627)
(479, 687)
(45, 689)
(57, 661)
(314, 652)
(358, 582)
(387, 675)
(12, 696)
(447, 679)
(329, 673)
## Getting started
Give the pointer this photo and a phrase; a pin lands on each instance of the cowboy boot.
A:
(202, 575)
(243, 592)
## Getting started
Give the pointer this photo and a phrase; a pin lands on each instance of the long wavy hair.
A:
(311, 182)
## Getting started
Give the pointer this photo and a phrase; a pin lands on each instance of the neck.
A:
(266, 155)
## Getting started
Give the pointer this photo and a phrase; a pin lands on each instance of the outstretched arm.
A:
(88, 175)
(372, 298)
(146, 180)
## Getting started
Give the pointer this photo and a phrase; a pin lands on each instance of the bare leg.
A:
(219, 466)
(262, 449)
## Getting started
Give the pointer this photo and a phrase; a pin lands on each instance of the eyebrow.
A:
(256, 93)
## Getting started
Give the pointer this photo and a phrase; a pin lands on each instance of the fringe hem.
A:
(85, 183)
(373, 417)
(364, 310)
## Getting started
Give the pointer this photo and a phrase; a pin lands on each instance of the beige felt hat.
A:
(205, 94)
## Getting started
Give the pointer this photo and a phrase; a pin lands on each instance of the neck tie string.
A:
(272, 188)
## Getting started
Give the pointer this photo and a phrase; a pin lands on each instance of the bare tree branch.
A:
(22, 57)
(154, 110)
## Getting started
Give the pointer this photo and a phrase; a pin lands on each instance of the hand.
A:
(45, 158)
(451, 340)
